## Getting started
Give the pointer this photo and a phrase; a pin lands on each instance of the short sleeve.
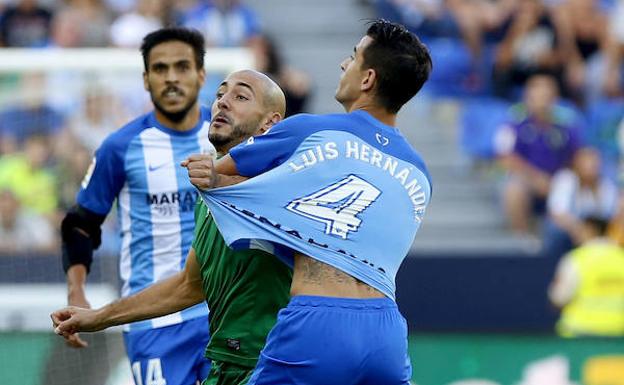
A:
(262, 153)
(104, 178)
(562, 191)
(504, 140)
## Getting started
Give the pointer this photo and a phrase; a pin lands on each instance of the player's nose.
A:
(223, 103)
(343, 64)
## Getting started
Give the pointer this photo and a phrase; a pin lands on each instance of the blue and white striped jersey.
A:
(344, 189)
(139, 166)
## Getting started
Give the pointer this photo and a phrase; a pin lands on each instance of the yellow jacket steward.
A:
(598, 307)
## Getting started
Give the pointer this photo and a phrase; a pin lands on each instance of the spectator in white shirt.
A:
(129, 29)
(577, 193)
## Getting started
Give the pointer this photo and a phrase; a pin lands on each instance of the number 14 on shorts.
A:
(153, 373)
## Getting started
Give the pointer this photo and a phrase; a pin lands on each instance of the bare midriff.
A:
(311, 277)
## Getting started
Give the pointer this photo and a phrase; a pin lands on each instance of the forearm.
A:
(165, 297)
(566, 222)
(228, 180)
(518, 165)
(227, 172)
(76, 280)
(536, 179)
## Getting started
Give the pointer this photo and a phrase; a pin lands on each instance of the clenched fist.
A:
(71, 320)
(201, 171)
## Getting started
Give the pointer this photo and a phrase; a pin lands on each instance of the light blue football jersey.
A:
(139, 167)
(344, 189)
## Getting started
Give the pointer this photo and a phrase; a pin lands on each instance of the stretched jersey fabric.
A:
(139, 166)
(244, 291)
(344, 189)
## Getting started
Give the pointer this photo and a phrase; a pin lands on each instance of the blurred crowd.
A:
(51, 123)
(504, 42)
(540, 84)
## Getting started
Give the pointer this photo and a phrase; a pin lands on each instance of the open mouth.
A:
(172, 92)
(220, 119)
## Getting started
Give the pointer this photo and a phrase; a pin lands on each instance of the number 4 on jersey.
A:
(337, 205)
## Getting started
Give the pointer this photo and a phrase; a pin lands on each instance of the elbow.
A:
(192, 293)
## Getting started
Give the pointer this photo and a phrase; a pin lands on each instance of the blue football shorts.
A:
(172, 355)
(342, 341)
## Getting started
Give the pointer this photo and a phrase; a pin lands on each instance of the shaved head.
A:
(247, 103)
(273, 97)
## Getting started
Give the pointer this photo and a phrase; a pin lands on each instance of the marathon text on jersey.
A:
(172, 202)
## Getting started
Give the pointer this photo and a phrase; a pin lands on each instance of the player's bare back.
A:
(312, 277)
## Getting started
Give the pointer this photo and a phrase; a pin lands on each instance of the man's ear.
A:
(145, 83)
(369, 80)
(272, 119)
(202, 76)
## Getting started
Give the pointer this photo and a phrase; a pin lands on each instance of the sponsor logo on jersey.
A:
(172, 203)
(382, 139)
(151, 167)
(233, 344)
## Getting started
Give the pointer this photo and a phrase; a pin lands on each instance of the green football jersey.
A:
(244, 290)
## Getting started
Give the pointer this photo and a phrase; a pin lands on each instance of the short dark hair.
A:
(400, 60)
(598, 224)
(192, 37)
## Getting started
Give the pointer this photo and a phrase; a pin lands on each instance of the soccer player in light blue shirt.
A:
(138, 167)
(339, 197)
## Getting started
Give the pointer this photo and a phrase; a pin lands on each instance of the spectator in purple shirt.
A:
(531, 150)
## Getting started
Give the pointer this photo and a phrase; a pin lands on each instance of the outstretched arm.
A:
(178, 292)
(80, 234)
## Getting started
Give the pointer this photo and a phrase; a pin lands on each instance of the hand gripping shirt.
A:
(139, 167)
(344, 189)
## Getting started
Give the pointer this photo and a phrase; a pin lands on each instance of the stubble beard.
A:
(176, 116)
(240, 132)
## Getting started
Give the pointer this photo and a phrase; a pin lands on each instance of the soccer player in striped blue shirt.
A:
(341, 198)
(138, 167)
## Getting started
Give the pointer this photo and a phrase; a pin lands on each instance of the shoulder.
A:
(311, 123)
(565, 175)
(298, 127)
(406, 152)
(119, 140)
(564, 183)
(298, 120)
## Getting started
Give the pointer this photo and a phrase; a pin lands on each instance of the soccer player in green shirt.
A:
(244, 289)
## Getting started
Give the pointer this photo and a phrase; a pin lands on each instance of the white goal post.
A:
(22, 60)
